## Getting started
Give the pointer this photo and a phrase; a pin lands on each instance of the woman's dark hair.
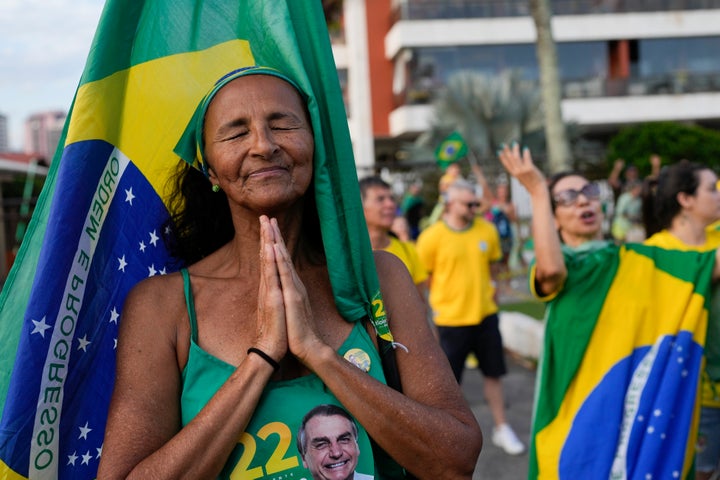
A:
(554, 179)
(660, 203)
(200, 220)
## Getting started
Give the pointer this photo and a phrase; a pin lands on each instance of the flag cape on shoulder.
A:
(450, 150)
(96, 230)
(618, 379)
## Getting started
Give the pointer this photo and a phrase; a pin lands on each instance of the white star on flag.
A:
(154, 238)
(142, 246)
(129, 196)
(152, 271)
(83, 343)
(84, 431)
(86, 458)
(122, 262)
(72, 458)
(114, 315)
(40, 327)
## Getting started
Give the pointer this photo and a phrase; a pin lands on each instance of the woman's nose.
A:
(264, 143)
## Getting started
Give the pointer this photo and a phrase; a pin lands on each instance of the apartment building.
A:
(42, 133)
(621, 61)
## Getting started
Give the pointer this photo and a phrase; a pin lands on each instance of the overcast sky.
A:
(43, 48)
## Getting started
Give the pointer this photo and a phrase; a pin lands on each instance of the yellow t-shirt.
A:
(461, 293)
(406, 252)
(664, 239)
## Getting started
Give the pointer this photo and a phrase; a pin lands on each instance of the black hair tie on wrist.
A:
(265, 357)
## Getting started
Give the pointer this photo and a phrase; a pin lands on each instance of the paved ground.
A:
(519, 385)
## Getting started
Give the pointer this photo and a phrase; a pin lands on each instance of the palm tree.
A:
(558, 148)
(487, 111)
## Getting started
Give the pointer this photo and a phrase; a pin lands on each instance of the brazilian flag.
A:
(97, 228)
(618, 382)
(450, 150)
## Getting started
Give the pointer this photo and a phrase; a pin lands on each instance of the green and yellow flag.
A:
(618, 382)
(96, 230)
(450, 150)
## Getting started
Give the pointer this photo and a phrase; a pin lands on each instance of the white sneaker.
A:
(504, 437)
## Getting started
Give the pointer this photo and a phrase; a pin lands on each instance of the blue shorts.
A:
(484, 340)
(707, 452)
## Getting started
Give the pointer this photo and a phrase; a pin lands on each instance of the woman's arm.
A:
(550, 270)
(143, 437)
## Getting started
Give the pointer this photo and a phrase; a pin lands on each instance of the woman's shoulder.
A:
(159, 293)
(386, 262)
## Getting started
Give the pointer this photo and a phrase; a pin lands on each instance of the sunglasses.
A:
(472, 204)
(566, 198)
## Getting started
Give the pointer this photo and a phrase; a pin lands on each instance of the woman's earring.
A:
(216, 188)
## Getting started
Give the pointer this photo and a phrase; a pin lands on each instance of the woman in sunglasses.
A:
(624, 339)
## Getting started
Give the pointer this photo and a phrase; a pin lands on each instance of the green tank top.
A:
(267, 449)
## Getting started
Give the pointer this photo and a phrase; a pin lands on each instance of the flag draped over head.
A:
(450, 150)
(97, 228)
(618, 382)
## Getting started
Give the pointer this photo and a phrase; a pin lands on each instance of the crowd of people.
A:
(455, 259)
(247, 363)
(659, 229)
(247, 341)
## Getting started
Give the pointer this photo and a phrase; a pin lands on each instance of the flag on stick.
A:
(96, 230)
(450, 150)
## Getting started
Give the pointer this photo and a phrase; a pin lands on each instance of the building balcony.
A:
(597, 102)
(448, 9)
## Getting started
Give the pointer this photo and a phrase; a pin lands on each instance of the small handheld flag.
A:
(450, 150)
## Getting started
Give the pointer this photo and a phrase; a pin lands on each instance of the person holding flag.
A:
(624, 339)
(244, 362)
(279, 303)
(448, 156)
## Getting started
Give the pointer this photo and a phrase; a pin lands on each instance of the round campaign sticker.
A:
(359, 358)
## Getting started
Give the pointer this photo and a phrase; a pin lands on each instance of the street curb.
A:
(522, 334)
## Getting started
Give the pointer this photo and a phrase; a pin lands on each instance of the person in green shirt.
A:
(218, 363)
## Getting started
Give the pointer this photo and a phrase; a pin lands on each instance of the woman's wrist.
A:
(268, 359)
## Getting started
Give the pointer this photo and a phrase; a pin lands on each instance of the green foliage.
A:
(672, 141)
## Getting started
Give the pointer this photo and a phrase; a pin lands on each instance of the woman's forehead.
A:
(708, 176)
(260, 86)
(575, 182)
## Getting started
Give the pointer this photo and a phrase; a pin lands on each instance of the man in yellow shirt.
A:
(380, 210)
(458, 252)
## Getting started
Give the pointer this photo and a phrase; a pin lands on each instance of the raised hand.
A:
(520, 165)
